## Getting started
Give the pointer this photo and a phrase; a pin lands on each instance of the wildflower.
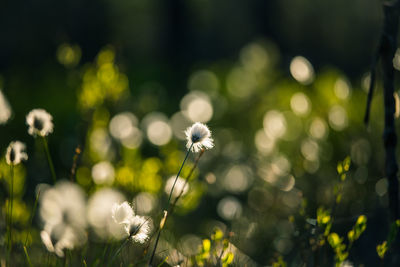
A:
(121, 213)
(136, 227)
(63, 212)
(39, 122)
(56, 239)
(16, 153)
(5, 109)
(198, 136)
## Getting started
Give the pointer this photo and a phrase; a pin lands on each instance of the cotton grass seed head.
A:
(60, 237)
(121, 213)
(138, 229)
(39, 122)
(198, 136)
(16, 153)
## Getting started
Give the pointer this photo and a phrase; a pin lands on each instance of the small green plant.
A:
(215, 251)
(342, 250)
(320, 228)
(342, 169)
(279, 262)
(382, 248)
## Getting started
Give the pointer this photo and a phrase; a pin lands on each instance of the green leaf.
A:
(346, 163)
(339, 168)
(382, 249)
(334, 240)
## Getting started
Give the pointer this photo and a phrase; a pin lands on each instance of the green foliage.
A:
(101, 81)
(324, 220)
(336, 242)
(279, 262)
(358, 229)
(215, 251)
(342, 169)
(383, 248)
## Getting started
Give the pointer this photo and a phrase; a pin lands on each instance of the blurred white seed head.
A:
(103, 173)
(180, 186)
(16, 153)
(198, 136)
(99, 213)
(63, 213)
(63, 204)
(121, 213)
(60, 237)
(5, 109)
(39, 122)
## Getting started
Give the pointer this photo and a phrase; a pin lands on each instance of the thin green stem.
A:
(46, 148)
(28, 260)
(105, 249)
(187, 180)
(31, 218)
(118, 251)
(155, 247)
(161, 263)
(176, 178)
(10, 212)
(169, 202)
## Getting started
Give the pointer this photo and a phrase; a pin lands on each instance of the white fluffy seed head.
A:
(40, 122)
(16, 153)
(198, 136)
(138, 229)
(122, 213)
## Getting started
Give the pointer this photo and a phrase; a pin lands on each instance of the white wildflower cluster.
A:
(198, 136)
(63, 212)
(39, 122)
(137, 227)
(16, 153)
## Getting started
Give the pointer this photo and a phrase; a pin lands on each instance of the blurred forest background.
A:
(282, 85)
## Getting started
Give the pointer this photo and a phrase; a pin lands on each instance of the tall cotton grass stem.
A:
(10, 210)
(50, 161)
(31, 218)
(118, 251)
(28, 259)
(169, 200)
(179, 172)
(155, 247)
(187, 180)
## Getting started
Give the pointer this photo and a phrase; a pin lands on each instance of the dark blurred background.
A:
(155, 37)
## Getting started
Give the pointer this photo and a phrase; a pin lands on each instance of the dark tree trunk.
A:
(387, 51)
